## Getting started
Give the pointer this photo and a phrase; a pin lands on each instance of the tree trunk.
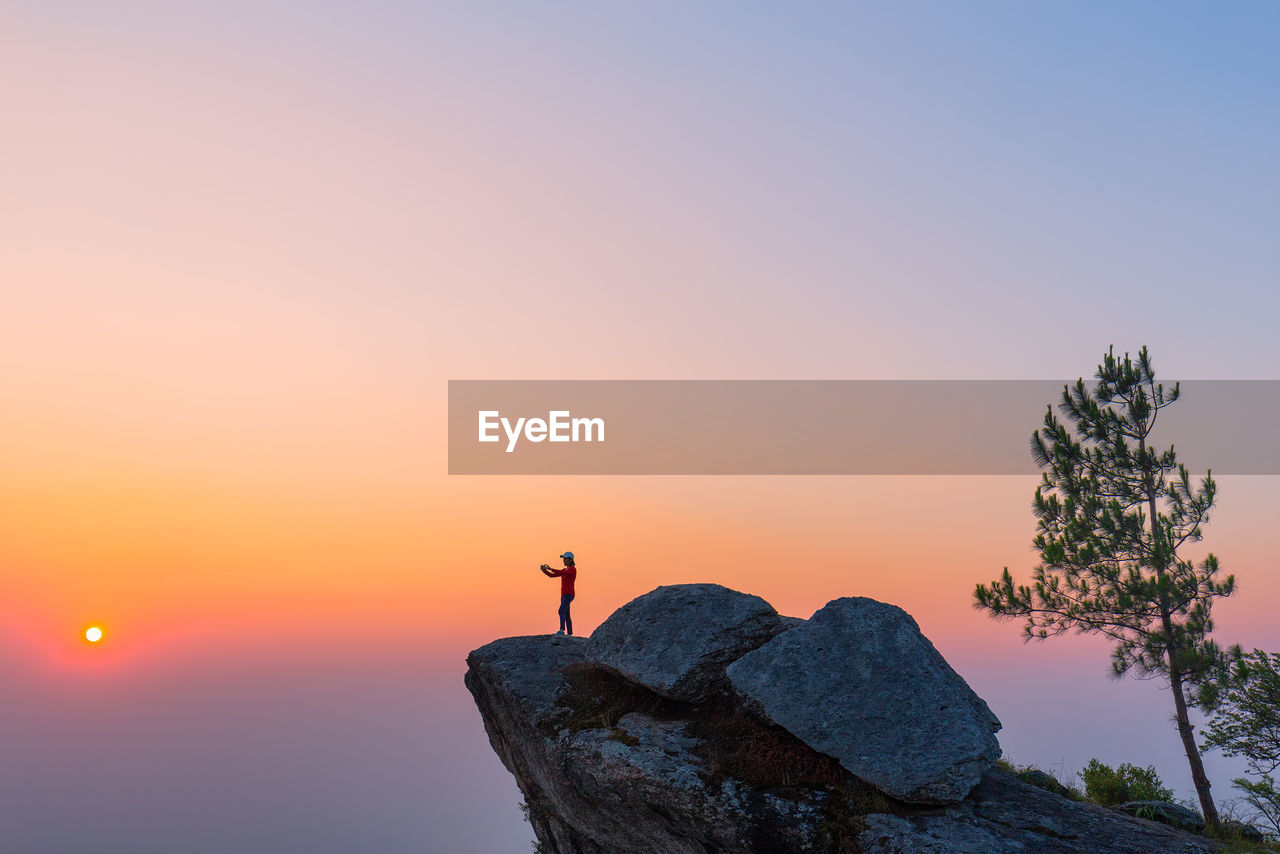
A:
(1198, 777)
(1185, 731)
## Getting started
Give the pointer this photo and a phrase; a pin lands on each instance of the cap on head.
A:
(569, 555)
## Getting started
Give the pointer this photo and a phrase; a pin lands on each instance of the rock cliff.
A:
(696, 719)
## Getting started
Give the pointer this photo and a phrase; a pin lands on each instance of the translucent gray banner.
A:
(718, 427)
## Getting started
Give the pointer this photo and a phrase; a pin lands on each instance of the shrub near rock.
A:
(1114, 786)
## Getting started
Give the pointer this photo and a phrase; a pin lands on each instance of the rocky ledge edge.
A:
(697, 719)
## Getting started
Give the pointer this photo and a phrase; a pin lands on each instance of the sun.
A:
(93, 634)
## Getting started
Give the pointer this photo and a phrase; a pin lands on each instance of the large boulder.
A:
(677, 639)
(609, 767)
(605, 768)
(859, 682)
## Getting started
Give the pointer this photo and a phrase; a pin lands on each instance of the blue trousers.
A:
(566, 622)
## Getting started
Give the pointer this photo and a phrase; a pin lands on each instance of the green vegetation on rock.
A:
(1114, 786)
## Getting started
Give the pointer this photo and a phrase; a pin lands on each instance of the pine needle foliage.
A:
(1246, 721)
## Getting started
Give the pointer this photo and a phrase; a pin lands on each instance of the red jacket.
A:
(567, 575)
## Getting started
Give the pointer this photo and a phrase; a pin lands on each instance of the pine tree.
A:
(1112, 513)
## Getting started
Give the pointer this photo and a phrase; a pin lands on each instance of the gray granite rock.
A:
(1246, 832)
(1174, 815)
(608, 767)
(677, 639)
(859, 682)
(636, 786)
(1043, 780)
(1003, 815)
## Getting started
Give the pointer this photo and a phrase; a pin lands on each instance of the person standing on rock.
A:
(566, 576)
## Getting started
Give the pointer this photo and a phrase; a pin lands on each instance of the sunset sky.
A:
(247, 244)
